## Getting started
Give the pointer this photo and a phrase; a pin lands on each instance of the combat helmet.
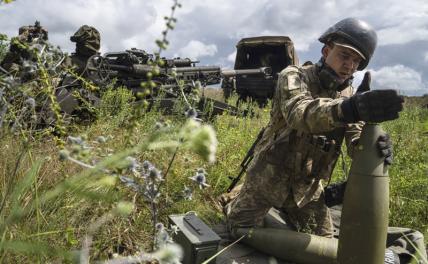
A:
(29, 33)
(87, 40)
(355, 34)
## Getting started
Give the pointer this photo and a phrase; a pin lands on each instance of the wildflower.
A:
(155, 174)
(158, 125)
(130, 183)
(133, 164)
(171, 253)
(159, 226)
(162, 238)
(191, 113)
(30, 102)
(204, 143)
(174, 229)
(198, 85)
(147, 165)
(64, 155)
(200, 179)
(75, 140)
(151, 193)
(187, 193)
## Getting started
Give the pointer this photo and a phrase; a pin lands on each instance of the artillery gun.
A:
(257, 64)
(132, 67)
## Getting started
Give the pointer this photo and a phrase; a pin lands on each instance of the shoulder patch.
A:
(294, 81)
(290, 78)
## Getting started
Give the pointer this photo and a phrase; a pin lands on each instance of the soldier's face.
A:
(343, 61)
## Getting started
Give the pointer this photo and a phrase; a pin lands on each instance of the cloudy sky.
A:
(208, 30)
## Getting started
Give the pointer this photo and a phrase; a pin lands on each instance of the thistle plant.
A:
(104, 172)
(27, 99)
(143, 177)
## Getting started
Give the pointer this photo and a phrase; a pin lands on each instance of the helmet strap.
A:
(329, 79)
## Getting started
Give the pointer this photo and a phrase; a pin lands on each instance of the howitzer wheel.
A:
(97, 69)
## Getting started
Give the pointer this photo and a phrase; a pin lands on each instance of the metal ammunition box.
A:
(198, 241)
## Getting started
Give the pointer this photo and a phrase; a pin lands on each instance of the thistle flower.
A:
(200, 179)
(187, 193)
(158, 125)
(204, 142)
(191, 113)
(169, 254)
(147, 165)
(76, 140)
(174, 229)
(30, 102)
(162, 236)
(64, 154)
(130, 183)
(198, 85)
(151, 193)
(133, 164)
(155, 175)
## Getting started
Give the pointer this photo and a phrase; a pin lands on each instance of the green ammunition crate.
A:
(199, 242)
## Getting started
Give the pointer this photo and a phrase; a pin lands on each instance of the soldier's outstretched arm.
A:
(300, 109)
(317, 115)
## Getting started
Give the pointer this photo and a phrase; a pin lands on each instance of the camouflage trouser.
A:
(267, 186)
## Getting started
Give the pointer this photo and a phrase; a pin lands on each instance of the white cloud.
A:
(215, 26)
(231, 57)
(399, 77)
(196, 49)
(120, 23)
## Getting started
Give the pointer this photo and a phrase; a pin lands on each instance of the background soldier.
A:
(87, 41)
(313, 111)
(18, 50)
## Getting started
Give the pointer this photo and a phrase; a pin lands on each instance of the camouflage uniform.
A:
(298, 150)
(87, 41)
(18, 52)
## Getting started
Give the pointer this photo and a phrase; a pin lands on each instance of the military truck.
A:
(257, 64)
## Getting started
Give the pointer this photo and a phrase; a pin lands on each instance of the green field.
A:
(49, 205)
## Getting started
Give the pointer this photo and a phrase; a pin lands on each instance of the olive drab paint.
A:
(290, 245)
(364, 223)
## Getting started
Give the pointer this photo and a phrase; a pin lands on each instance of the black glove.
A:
(371, 106)
(365, 83)
(384, 145)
